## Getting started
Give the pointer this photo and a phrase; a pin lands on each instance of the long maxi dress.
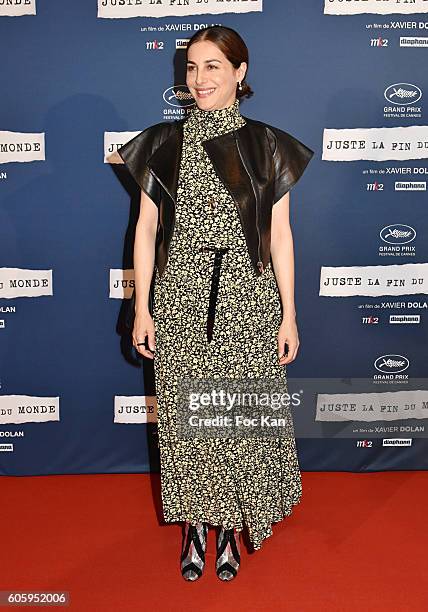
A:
(247, 482)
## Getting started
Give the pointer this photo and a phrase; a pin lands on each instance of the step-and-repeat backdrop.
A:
(79, 79)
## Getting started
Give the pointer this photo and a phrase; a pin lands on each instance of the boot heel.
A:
(193, 551)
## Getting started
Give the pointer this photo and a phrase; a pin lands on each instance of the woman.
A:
(214, 218)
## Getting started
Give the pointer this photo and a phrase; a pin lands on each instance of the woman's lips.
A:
(204, 93)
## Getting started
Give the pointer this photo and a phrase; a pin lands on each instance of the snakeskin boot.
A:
(193, 550)
(228, 556)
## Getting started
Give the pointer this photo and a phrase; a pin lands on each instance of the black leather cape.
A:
(258, 164)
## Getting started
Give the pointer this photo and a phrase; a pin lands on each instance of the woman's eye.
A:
(213, 66)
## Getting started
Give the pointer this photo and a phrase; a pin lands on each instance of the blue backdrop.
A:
(84, 81)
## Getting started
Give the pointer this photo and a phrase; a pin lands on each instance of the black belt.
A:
(219, 252)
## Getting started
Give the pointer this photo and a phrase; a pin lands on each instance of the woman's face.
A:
(211, 77)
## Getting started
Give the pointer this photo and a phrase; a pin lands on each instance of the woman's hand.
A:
(144, 326)
(288, 334)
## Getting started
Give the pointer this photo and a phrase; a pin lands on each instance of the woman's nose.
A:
(199, 78)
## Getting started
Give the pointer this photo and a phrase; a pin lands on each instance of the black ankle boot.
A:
(228, 556)
(193, 550)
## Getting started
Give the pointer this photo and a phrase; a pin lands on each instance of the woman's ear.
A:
(242, 70)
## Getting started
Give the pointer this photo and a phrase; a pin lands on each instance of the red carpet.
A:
(355, 542)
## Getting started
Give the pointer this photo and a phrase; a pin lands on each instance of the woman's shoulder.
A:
(146, 142)
(280, 140)
(290, 155)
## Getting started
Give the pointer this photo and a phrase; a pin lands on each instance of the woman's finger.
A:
(151, 341)
(140, 346)
(291, 355)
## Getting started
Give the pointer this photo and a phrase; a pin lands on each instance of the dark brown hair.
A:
(231, 45)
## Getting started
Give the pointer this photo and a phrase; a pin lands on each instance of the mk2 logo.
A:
(370, 320)
(364, 443)
(375, 186)
(379, 42)
(154, 45)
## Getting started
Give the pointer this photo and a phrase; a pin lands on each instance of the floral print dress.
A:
(246, 482)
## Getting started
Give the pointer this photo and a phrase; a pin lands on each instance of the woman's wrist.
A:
(289, 316)
(141, 309)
